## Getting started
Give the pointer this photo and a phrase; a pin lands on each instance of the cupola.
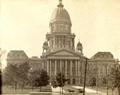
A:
(79, 47)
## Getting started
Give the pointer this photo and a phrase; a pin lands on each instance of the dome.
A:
(60, 14)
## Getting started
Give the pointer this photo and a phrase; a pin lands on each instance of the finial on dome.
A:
(60, 1)
(60, 4)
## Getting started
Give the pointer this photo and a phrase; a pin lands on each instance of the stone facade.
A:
(61, 55)
(59, 51)
(99, 67)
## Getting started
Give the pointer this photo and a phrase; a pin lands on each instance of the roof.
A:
(17, 54)
(107, 55)
(60, 14)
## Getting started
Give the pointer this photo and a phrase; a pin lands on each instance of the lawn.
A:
(101, 89)
(10, 90)
(104, 90)
(27, 90)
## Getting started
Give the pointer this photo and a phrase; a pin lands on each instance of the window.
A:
(67, 27)
(73, 81)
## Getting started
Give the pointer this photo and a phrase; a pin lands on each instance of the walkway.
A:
(90, 91)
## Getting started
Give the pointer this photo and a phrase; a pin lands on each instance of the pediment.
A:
(63, 53)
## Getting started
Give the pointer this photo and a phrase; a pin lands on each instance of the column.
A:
(66, 68)
(76, 67)
(79, 70)
(61, 66)
(47, 67)
(78, 75)
(55, 67)
(71, 72)
(50, 67)
(71, 67)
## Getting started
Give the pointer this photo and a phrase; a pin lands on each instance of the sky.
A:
(96, 23)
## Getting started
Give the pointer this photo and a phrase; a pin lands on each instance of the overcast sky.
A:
(96, 23)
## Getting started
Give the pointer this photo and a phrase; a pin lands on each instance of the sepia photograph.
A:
(60, 47)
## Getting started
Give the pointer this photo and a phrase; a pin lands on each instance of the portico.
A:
(66, 62)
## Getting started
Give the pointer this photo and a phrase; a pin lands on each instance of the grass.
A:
(104, 90)
(101, 89)
(10, 90)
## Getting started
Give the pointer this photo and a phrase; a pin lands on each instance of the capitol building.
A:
(61, 55)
